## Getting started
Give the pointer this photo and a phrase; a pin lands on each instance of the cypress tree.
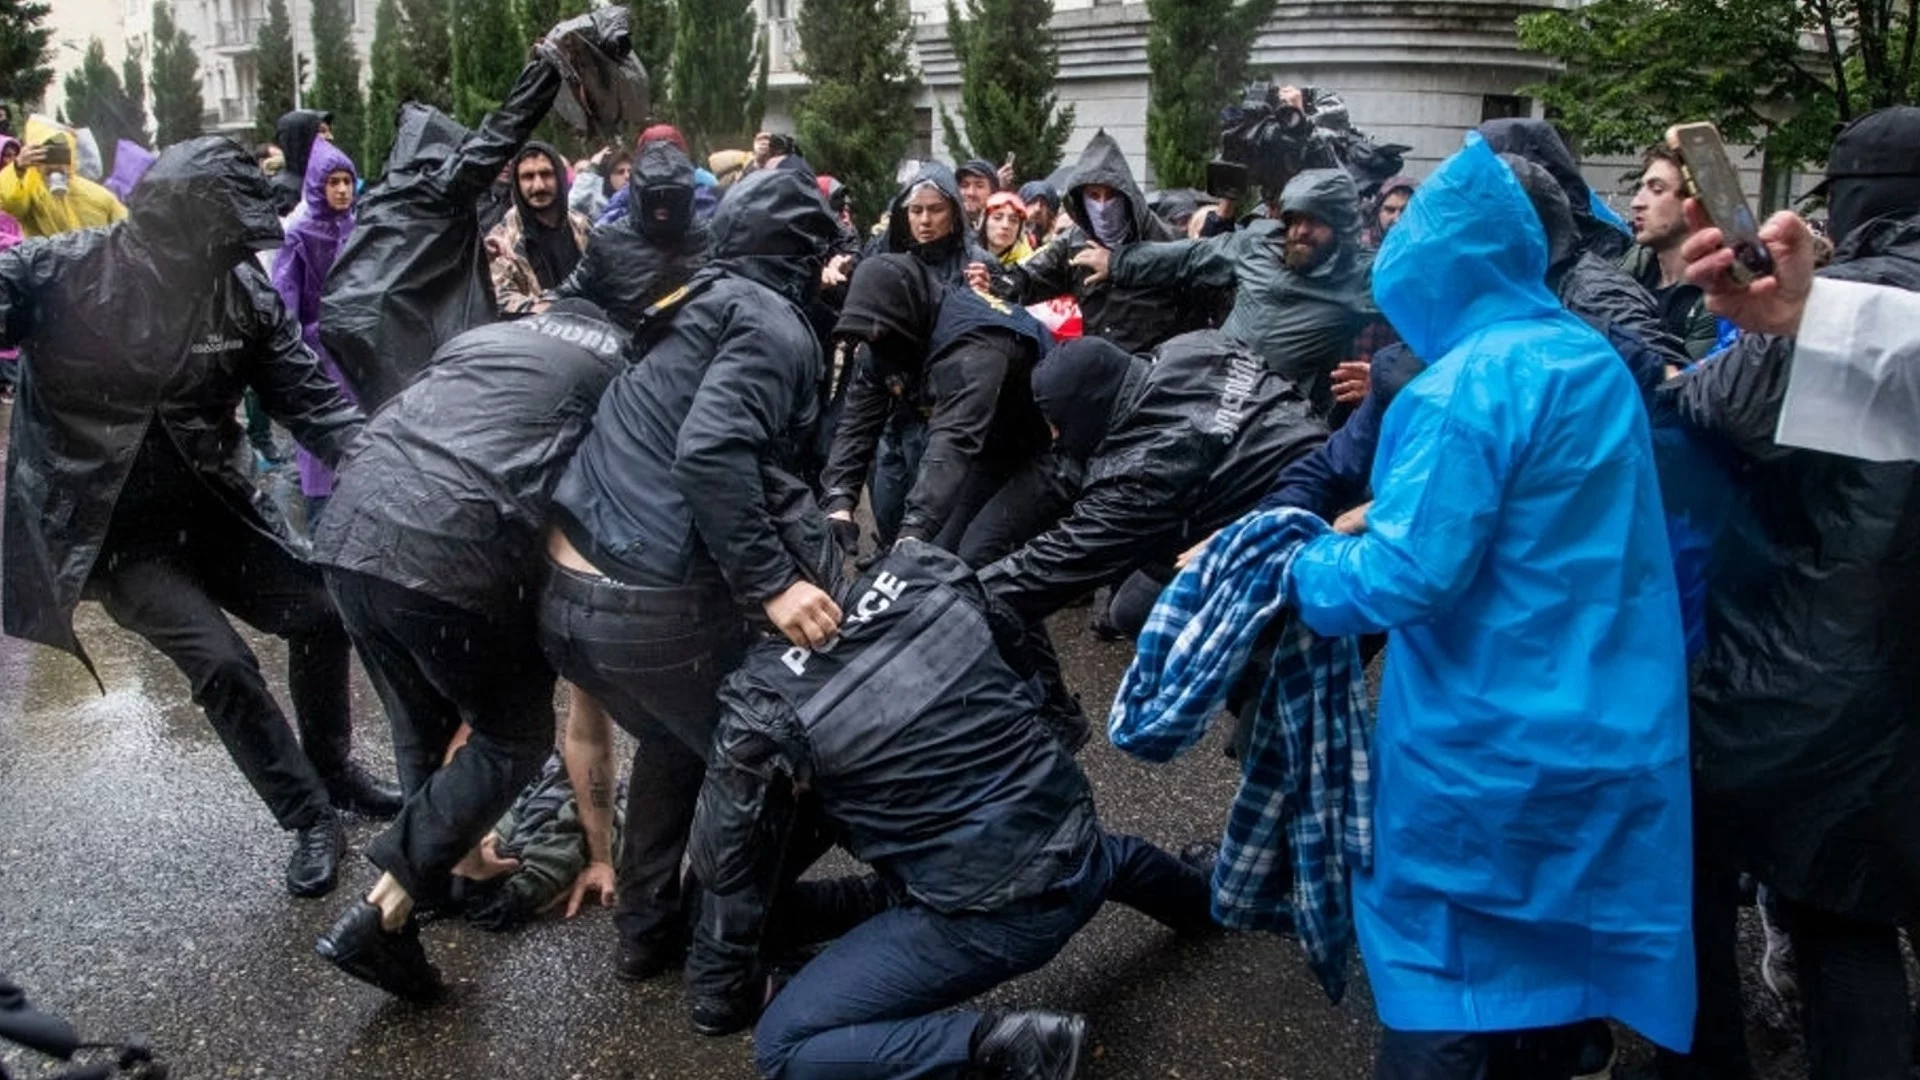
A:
(1197, 54)
(134, 80)
(856, 120)
(487, 56)
(651, 24)
(719, 72)
(273, 59)
(1007, 70)
(408, 62)
(336, 73)
(96, 99)
(25, 51)
(177, 103)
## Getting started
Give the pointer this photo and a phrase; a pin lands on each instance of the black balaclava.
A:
(1854, 201)
(551, 249)
(661, 189)
(1076, 387)
(891, 304)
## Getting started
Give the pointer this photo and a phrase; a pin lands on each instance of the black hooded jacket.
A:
(551, 249)
(947, 354)
(624, 271)
(1190, 442)
(1536, 141)
(294, 134)
(141, 338)
(669, 487)
(949, 256)
(1806, 703)
(439, 503)
(1134, 318)
(413, 274)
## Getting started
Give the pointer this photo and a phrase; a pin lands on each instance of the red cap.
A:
(662, 133)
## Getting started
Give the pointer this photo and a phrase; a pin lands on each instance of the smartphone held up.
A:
(1711, 178)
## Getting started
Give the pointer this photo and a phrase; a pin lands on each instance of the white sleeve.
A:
(1854, 384)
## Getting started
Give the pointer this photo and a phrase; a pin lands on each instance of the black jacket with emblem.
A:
(145, 335)
(448, 503)
(1178, 447)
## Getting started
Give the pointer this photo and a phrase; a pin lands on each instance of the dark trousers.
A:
(654, 658)
(1031, 501)
(868, 1008)
(896, 462)
(174, 592)
(1543, 1054)
(436, 666)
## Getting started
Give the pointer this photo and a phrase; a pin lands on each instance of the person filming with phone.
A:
(1806, 724)
(42, 190)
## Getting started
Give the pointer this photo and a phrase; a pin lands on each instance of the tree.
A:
(1007, 70)
(273, 60)
(336, 73)
(409, 61)
(134, 81)
(177, 102)
(719, 71)
(856, 120)
(1197, 54)
(25, 51)
(97, 99)
(1633, 67)
(487, 56)
(651, 25)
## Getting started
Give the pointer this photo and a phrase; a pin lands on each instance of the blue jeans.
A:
(866, 1009)
(896, 465)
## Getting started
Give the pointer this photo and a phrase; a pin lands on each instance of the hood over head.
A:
(1076, 387)
(1549, 201)
(1399, 183)
(6, 141)
(130, 162)
(1468, 252)
(1040, 191)
(1536, 141)
(1874, 170)
(206, 203)
(327, 159)
(899, 236)
(891, 304)
(1328, 195)
(11, 231)
(774, 228)
(661, 191)
(423, 138)
(540, 149)
(1103, 163)
(294, 134)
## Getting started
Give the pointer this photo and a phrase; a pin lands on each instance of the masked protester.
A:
(669, 534)
(432, 547)
(300, 275)
(1109, 210)
(634, 262)
(122, 487)
(295, 133)
(538, 243)
(1806, 726)
(1299, 280)
(1520, 787)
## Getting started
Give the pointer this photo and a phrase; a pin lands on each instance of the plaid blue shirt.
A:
(1306, 788)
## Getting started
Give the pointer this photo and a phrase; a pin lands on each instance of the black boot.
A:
(355, 791)
(315, 864)
(391, 960)
(1030, 1045)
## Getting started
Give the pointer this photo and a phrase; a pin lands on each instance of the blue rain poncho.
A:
(1532, 860)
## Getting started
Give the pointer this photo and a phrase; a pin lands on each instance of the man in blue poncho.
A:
(1532, 824)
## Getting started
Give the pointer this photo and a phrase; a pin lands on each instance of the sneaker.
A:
(389, 959)
(314, 866)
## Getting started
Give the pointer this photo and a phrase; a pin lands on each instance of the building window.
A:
(1504, 107)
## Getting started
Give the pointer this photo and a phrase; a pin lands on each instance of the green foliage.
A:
(177, 102)
(336, 74)
(1197, 53)
(273, 60)
(25, 51)
(856, 120)
(651, 24)
(97, 99)
(1636, 66)
(1007, 69)
(719, 72)
(488, 53)
(134, 80)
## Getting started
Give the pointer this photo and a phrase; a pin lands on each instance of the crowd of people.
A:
(1635, 544)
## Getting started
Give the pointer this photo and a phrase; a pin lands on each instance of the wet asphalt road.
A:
(140, 890)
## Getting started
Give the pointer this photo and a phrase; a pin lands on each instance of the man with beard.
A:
(1659, 230)
(538, 243)
(121, 485)
(1300, 282)
(431, 547)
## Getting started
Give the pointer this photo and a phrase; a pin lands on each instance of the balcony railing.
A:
(239, 34)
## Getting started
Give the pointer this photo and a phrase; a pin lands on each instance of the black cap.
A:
(1885, 142)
